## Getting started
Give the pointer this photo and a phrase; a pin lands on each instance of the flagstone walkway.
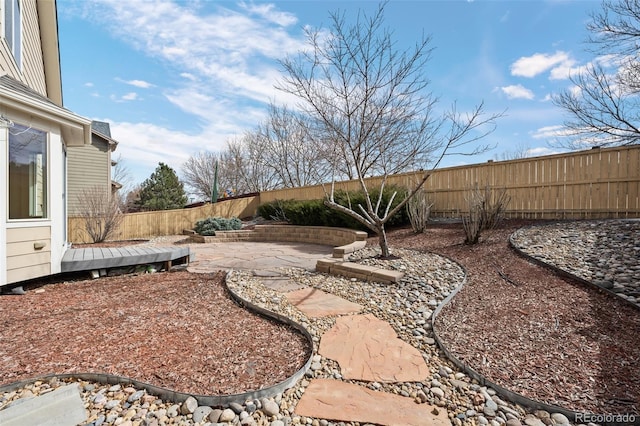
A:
(366, 348)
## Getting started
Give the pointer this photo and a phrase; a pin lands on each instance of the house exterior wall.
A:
(34, 247)
(32, 63)
(23, 260)
(89, 166)
(31, 71)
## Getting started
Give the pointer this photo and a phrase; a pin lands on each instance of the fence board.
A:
(588, 184)
(144, 225)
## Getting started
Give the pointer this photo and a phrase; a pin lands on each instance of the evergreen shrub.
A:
(210, 225)
(316, 213)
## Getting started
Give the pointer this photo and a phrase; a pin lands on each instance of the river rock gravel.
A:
(604, 252)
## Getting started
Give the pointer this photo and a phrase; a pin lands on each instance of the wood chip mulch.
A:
(523, 327)
(175, 330)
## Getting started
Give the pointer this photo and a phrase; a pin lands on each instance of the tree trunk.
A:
(382, 239)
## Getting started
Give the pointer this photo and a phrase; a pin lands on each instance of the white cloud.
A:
(564, 70)
(531, 66)
(137, 83)
(541, 150)
(268, 12)
(549, 132)
(230, 53)
(188, 76)
(143, 145)
(517, 92)
(88, 84)
(131, 96)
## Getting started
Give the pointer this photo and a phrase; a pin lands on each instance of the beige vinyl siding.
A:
(32, 62)
(24, 260)
(32, 72)
(7, 63)
(87, 166)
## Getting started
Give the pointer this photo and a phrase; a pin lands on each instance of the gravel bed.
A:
(604, 252)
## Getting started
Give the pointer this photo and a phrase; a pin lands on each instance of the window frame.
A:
(46, 214)
(12, 29)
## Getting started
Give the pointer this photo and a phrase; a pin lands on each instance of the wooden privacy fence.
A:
(597, 183)
(144, 225)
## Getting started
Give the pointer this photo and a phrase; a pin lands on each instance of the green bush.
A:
(316, 213)
(209, 226)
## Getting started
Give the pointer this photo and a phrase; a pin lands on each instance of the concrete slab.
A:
(316, 303)
(61, 407)
(347, 402)
(368, 348)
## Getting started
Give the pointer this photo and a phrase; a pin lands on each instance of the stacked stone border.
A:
(341, 237)
(566, 274)
(179, 397)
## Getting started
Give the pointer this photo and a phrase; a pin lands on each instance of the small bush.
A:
(419, 210)
(485, 209)
(209, 226)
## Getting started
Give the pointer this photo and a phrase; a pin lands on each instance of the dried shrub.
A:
(485, 209)
(419, 210)
(100, 212)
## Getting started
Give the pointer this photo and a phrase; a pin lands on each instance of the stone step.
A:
(347, 402)
(61, 407)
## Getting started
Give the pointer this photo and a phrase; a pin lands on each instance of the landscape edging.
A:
(482, 380)
(566, 274)
(179, 397)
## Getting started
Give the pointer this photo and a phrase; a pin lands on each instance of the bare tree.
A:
(372, 108)
(290, 150)
(121, 174)
(520, 150)
(244, 165)
(198, 173)
(131, 203)
(604, 108)
(100, 212)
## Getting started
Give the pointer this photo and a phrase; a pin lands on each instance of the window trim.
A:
(13, 40)
(47, 187)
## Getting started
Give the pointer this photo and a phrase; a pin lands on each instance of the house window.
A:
(13, 28)
(27, 173)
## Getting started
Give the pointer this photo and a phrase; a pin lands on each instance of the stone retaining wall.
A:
(290, 233)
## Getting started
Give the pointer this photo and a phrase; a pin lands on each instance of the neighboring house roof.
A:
(101, 127)
(103, 130)
(76, 130)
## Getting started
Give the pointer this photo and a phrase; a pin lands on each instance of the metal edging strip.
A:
(206, 400)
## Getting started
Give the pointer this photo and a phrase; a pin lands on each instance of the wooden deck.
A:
(89, 259)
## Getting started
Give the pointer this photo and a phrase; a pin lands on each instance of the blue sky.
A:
(177, 77)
